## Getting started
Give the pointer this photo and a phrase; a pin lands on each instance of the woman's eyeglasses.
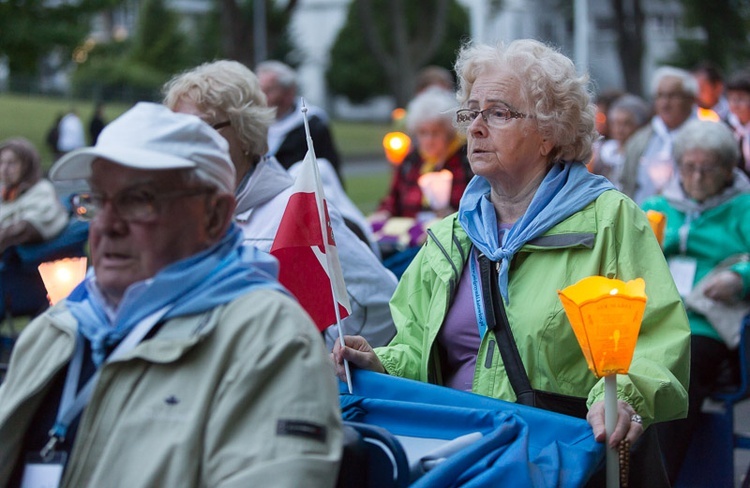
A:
(494, 117)
(221, 125)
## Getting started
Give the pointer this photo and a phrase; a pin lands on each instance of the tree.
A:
(384, 43)
(629, 20)
(236, 19)
(139, 66)
(31, 29)
(724, 24)
(158, 44)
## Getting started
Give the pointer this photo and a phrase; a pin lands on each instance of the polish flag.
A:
(306, 249)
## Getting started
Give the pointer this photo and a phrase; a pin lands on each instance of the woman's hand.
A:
(625, 428)
(358, 352)
(724, 286)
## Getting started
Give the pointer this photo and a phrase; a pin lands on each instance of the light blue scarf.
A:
(198, 283)
(567, 188)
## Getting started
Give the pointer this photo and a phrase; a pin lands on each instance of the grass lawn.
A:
(367, 191)
(32, 116)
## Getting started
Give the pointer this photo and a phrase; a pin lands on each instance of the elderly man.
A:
(648, 162)
(227, 95)
(710, 96)
(738, 94)
(179, 361)
(286, 136)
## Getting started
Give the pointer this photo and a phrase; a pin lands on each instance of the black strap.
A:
(497, 320)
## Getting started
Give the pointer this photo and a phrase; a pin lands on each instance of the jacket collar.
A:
(173, 339)
(449, 246)
(268, 179)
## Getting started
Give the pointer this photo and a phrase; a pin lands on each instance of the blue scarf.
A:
(193, 285)
(567, 188)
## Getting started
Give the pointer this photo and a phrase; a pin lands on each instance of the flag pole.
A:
(324, 230)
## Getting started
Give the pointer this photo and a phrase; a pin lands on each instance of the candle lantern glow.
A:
(60, 277)
(396, 145)
(606, 317)
(436, 187)
(658, 223)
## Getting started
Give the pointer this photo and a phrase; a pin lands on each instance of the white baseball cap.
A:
(152, 137)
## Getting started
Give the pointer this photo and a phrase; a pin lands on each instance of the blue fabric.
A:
(198, 283)
(521, 446)
(567, 188)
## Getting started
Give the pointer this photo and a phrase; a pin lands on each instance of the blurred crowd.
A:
(515, 182)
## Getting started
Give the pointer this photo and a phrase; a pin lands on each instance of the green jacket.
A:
(712, 235)
(211, 400)
(610, 237)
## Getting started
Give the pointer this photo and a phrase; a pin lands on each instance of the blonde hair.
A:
(228, 88)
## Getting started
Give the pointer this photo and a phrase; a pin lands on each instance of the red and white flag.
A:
(309, 263)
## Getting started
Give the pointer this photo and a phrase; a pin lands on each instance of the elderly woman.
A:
(227, 95)
(626, 115)
(438, 146)
(545, 222)
(29, 208)
(706, 209)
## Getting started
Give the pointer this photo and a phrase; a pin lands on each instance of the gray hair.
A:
(634, 105)
(687, 80)
(433, 104)
(286, 77)
(559, 98)
(714, 137)
(230, 88)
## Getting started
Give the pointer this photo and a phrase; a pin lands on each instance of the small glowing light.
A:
(398, 114)
(60, 277)
(396, 145)
(708, 114)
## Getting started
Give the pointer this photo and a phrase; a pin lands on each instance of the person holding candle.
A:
(648, 163)
(180, 360)
(706, 223)
(531, 222)
(429, 119)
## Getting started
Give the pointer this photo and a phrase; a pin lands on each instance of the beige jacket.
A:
(40, 207)
(236, 378)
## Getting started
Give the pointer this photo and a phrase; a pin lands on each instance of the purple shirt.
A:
(459, 335)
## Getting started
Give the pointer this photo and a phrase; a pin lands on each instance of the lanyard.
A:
(685, 230)
(476, 293)
(72, 403)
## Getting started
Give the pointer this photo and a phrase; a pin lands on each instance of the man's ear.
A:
(220, 213)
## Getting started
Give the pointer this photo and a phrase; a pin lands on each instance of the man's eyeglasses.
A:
(141, 206)
(494, 117)
(672, 96)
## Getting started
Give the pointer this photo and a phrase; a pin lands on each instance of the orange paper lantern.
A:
(396, 145)
(60, 277)
(606, 317)
(658, 223)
